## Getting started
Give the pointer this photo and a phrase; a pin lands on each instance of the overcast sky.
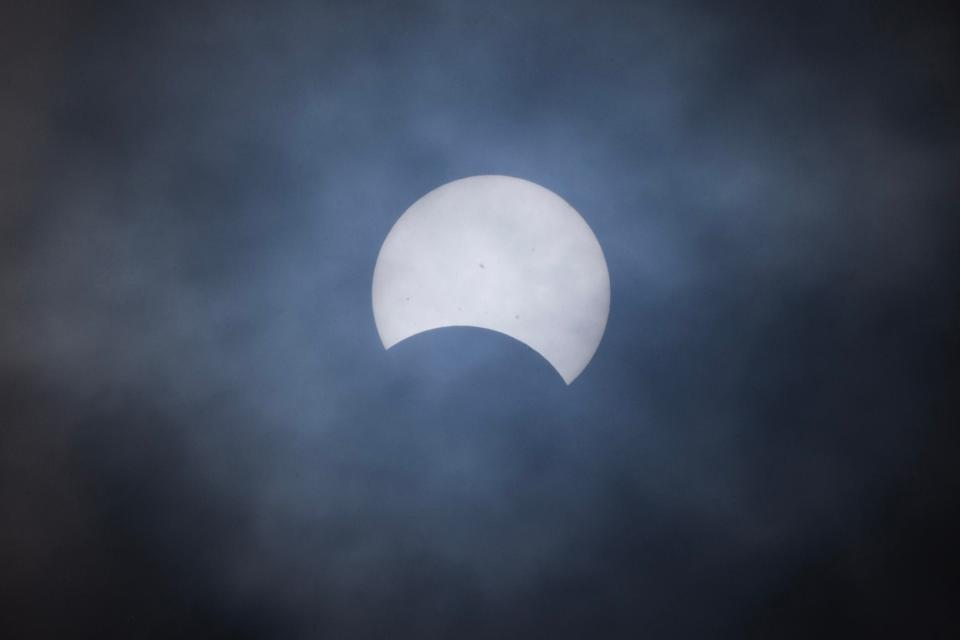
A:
(202, 436)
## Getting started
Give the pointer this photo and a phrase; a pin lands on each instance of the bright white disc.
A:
(498, 253)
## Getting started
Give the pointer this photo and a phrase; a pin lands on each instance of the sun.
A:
(499, 253)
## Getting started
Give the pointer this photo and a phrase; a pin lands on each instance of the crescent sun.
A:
(499, 253)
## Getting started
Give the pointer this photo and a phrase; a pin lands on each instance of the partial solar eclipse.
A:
(498, 253)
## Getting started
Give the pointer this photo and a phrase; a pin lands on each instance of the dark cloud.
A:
(202, 435)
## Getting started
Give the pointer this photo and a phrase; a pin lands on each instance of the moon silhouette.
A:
(499, 253)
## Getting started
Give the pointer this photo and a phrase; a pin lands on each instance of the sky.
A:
(201, 434)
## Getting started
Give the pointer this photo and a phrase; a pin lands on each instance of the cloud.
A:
(207, 436)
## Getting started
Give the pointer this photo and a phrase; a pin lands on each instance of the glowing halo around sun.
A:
(498, 253)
